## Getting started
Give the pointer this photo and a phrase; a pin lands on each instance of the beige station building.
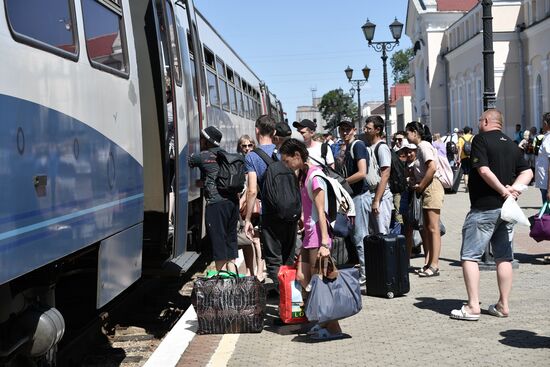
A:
(447, 68)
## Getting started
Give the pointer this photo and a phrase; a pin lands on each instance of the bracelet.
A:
(325, 245)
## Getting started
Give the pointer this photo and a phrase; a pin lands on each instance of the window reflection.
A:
(50, 22)
(104, 40)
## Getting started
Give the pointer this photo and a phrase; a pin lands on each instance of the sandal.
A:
(423, 269)
(314, 330)
(428, 273)
(462, 314)
(323, 335)
(494, 311)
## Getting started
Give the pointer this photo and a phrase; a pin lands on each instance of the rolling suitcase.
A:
(387, 265)
(457, 177)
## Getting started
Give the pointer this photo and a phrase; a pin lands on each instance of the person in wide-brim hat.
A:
(212, 135)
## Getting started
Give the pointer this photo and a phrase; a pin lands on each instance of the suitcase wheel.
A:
(389, 295)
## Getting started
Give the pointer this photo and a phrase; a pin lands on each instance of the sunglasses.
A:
(247, 145)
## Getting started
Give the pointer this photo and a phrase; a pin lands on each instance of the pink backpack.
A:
(444, 172)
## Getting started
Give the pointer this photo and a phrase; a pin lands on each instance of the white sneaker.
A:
(362, 280)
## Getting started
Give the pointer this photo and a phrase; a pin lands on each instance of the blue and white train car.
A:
(85, 169)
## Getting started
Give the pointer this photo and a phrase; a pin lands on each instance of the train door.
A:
(176, 132)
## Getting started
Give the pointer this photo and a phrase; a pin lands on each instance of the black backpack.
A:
(451, 148)
(231, 176)
(467, 147)
(280, 193)
(398, 177)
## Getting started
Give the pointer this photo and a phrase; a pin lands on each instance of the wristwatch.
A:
(325, 245)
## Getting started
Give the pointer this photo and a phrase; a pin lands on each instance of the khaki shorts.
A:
(433, 195)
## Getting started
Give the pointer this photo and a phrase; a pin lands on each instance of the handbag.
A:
(416, 216)
(334, 299)
(540, 224)
(291, 302)
(229, 305)
(339, 251)
(342, 226)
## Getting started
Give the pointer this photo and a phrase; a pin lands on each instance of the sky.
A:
(298, 45)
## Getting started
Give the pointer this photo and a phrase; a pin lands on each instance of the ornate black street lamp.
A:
(356, 85)
(489, 100)
(384, 46)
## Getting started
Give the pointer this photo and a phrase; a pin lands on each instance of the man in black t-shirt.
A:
(221, 213)
(497, 165)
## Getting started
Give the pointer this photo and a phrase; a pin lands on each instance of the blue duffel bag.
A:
(334, 299)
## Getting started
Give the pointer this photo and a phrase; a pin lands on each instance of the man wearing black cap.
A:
(355, 161)
(222, 213)
(319, 153)
(282, 133)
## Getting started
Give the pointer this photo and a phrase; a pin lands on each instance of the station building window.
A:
(48, 25)
(105, 38)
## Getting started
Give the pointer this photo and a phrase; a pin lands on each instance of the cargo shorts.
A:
(484, 226)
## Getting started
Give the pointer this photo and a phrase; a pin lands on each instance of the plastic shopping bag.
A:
(511, 212)
(291, 302)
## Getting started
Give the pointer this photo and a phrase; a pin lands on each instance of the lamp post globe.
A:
(396, 28)
(368, 30)
(366, 72)
(349, 73)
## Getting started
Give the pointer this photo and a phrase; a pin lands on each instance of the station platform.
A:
(413, 330)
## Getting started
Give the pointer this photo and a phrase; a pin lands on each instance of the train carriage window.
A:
(194, 76)
(232, 99)
(245, 104)
(174, 43)
(105, 37)
(48, 25)
(223, 84)
(209, 58)
(212, 88)
(230, 77)
(240, 103)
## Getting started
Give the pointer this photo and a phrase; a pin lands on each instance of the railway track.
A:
(130, 330)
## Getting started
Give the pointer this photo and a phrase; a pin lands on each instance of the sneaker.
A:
(362, 280)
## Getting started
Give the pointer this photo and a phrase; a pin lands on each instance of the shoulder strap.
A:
(267, 159)
(376, 151)
(324, 151)
(351, 148)
(323, 165)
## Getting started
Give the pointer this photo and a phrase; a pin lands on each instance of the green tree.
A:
(336, 105)
(400, 65)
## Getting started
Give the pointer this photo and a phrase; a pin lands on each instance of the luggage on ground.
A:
(291, 301)
(229, 305)
(334, 299)
(387, 265)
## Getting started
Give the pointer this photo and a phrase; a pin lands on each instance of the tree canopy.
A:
(336, 105)
(400, 65)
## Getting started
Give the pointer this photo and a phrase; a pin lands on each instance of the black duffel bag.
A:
(231, 305)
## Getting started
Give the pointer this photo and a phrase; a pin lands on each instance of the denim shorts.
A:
(480, 228)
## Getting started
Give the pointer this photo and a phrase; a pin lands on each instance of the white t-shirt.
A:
(541, 164)
(315, 152)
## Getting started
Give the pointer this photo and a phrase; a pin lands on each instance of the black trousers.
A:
(278, 242)
(221, 227)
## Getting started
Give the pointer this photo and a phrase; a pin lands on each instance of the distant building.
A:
(311, 113)
(400, 107)
(447, 68)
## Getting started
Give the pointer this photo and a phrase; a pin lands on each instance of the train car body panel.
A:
(119, 263)
(68, 178)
